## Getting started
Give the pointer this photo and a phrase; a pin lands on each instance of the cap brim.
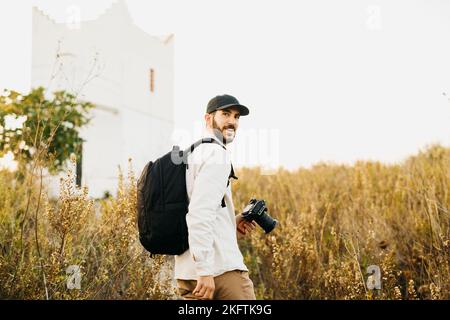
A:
(243, 110)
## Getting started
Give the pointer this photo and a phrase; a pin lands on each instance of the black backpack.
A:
(162, 202)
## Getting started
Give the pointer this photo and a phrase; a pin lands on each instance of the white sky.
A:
(337, 80)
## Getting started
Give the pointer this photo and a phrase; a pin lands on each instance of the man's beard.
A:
(226, 138)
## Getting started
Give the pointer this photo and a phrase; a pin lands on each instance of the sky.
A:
(334, 81)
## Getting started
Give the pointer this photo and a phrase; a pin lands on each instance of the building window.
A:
(152, 80)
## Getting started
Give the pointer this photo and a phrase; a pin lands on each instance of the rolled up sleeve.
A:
(208, 191)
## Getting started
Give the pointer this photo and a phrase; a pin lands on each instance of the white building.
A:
(125, 72)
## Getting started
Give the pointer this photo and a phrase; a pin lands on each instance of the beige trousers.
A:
(232, 285)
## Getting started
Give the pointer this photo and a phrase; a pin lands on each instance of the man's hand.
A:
(243, 226)
(205, 288)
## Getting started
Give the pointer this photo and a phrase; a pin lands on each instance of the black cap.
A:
(226, 101)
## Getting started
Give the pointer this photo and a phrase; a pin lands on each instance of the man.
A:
(213, 266)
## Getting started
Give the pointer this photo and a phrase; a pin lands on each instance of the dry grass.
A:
(338, 220)
(100, 237)
(335, 221)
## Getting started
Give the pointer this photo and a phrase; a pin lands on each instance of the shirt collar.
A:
(209, 134)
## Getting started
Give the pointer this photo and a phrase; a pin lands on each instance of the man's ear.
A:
(207, 119)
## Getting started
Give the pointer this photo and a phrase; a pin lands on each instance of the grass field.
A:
(335, 222)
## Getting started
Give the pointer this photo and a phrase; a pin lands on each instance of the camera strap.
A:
(231, 176)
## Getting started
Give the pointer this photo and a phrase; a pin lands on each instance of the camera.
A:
(256, 210)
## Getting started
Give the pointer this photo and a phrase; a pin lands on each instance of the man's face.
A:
(225, 124)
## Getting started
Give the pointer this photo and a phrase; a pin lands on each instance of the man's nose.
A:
(232, 121)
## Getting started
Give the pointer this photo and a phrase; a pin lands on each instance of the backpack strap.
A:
(204, 140)
(195, 145)
(210, 140)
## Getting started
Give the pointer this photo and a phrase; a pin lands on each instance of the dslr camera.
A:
(256, 210)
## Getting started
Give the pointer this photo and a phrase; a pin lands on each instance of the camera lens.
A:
(266, 222)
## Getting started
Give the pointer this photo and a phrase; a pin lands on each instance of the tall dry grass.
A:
(41, 238)
(335, 221)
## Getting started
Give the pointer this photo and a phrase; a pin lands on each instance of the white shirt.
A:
(213, 248)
